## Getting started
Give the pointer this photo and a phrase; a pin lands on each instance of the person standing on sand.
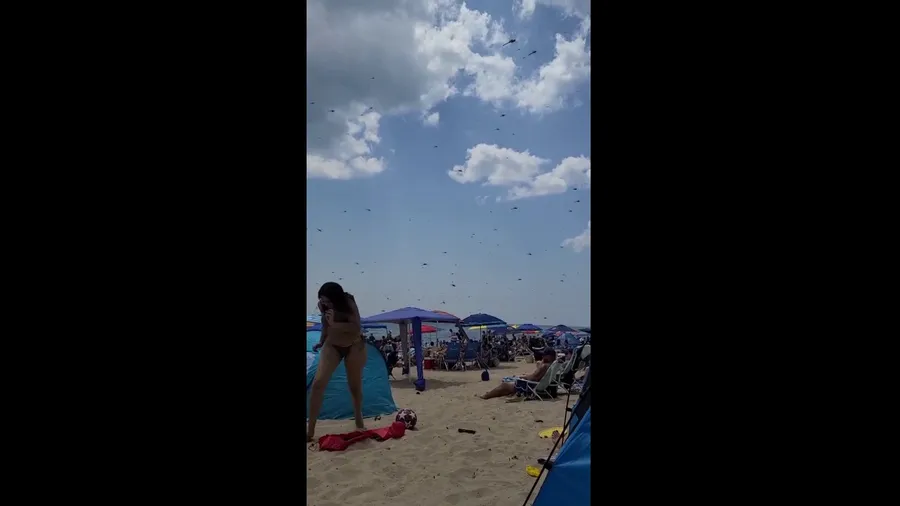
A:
(341, 340)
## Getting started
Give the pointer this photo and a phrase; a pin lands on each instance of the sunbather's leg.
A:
(502, 390)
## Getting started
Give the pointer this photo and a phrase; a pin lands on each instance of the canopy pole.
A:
(404, 347)
(420, 353)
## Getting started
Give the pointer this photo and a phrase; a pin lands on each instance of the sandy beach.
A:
(435, 464)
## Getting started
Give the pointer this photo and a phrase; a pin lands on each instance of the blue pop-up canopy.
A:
(414, 316)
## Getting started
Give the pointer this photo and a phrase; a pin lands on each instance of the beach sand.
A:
(435, 464)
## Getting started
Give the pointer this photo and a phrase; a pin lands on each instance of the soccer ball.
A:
(408, 417)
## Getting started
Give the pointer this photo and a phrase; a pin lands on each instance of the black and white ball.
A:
(408, 417)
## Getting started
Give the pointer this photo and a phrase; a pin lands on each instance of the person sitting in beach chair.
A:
(509, 387)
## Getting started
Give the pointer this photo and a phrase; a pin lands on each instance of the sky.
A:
(429, 141)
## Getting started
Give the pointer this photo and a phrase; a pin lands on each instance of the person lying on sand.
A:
(504, 389)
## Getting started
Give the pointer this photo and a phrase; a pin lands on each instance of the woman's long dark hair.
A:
(336, 295)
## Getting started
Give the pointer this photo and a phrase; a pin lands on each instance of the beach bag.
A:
(485, 375)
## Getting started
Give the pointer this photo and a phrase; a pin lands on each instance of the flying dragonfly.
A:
(529, 54)
(319, 229)
(510, 42)
(514, 208)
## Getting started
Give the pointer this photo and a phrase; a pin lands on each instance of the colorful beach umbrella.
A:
(479, 319)
(561, 328)
(438, 311)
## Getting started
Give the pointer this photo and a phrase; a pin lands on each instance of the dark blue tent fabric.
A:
(408, 314)
(481, 319)
(569, 479)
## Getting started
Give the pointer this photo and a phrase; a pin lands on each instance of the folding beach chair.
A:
(460, 364)
(451, 357)
(537, 389)
(473, 355)
(560, 380)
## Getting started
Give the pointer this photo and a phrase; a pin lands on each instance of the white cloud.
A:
(580, 8)
(572, 172)
(432, 119)
(559, 78)
(524, 8)
(580, 242)
(496, 166)
(522, 172)
(481, 200)
(349, 156)
(369, 60)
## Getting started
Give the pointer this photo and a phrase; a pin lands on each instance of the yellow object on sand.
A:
(533, 471)
(548, 433)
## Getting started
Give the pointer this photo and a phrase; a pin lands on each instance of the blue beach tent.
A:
(569, 474)
(377, 396)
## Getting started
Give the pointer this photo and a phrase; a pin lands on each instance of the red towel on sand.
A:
(340, 442)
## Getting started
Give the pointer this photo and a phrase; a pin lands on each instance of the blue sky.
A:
(413, 77)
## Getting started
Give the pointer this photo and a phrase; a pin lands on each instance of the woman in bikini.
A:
(341, 331)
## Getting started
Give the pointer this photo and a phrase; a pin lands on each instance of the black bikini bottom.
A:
(343, 351)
